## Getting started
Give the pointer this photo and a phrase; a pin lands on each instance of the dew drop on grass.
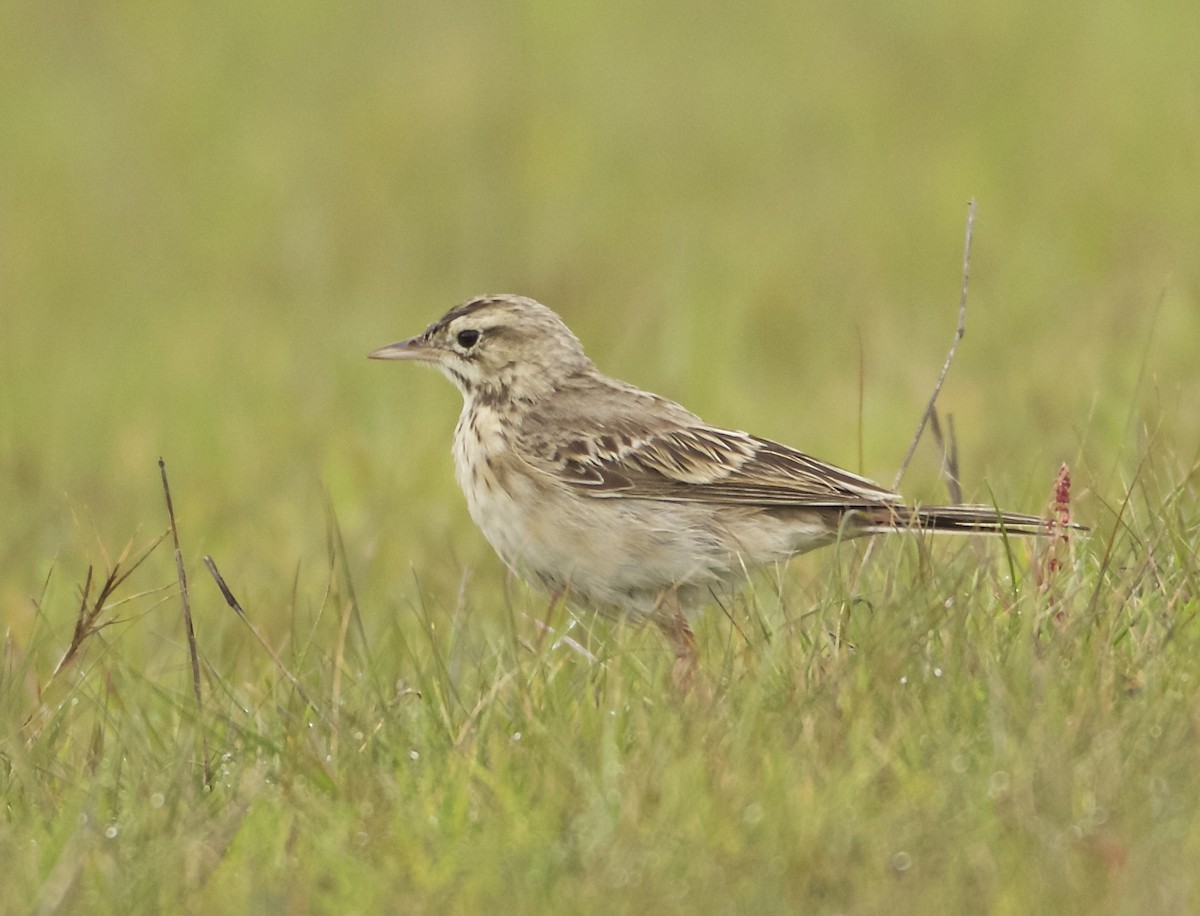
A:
(157, 800)
(414, 754)
(901, 862)
(958, 763)
(937, 672)
(111, 831)
(904, 680)
(516, 736)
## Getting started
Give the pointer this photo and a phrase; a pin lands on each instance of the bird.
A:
(624, 501)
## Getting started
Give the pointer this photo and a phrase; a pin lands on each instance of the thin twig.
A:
(958, 336)
(948, 447)
(959, 331)
(283, 669)
(189, 629)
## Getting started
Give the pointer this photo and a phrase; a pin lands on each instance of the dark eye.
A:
(467, 339)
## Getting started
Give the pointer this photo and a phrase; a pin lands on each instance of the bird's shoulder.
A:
(604, 438)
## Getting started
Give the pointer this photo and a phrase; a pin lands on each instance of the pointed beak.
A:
(413, 348)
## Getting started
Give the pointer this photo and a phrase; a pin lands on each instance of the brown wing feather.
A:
(617, 453)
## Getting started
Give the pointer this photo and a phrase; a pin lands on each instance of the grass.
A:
(968, 738)
(208, 219)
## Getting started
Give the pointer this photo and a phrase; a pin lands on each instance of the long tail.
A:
(964, 520)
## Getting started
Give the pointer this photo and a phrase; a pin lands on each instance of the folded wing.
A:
(693, 463)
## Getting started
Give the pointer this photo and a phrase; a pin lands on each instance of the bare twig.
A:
(948, 447)
(959, 331)
(283, 669)
(958, 336)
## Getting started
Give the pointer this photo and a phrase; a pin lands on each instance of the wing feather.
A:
(681, 459)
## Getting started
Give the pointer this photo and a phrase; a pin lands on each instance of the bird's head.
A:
(501, 347)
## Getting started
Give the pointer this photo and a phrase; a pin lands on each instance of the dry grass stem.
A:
(959, 332)
(279, 665)
(186, 605)
(948, 448)
(87, 619)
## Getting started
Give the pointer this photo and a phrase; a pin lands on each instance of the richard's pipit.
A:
(622, 499)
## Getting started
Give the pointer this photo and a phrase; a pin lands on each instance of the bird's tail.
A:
(964, 520)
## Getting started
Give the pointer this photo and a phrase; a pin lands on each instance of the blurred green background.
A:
(210, 213)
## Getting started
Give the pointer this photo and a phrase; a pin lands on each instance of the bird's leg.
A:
(670, 620)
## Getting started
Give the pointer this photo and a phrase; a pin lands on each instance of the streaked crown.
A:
(498, 347)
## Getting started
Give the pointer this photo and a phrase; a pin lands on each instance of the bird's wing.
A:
(669, 454)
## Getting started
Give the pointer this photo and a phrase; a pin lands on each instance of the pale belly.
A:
(615, 553)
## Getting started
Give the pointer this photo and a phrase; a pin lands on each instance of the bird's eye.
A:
(468, 338)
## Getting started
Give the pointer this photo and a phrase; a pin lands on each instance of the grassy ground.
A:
(209, 216)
